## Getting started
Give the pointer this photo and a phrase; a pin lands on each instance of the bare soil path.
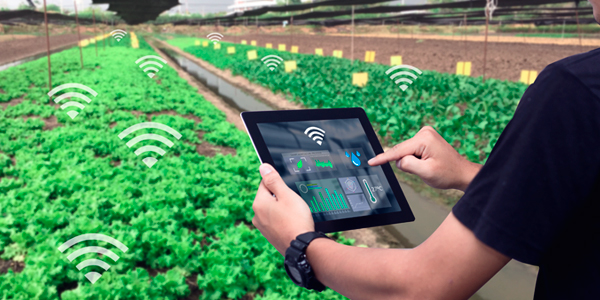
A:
(13, 50)
(505, 60)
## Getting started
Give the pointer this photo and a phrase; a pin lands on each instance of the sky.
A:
(195, 6)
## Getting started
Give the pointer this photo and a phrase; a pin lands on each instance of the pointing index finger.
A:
(408, 147)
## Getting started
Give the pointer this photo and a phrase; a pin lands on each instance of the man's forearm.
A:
(360, 273)
(470, 171)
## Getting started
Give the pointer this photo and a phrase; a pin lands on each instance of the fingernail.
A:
(371, 160)
(264, 169)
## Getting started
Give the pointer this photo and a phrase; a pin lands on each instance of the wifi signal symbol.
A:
(316, 134)
(69, 95)
(272, 61)
(153, 69)
(149, 161)
(214, 37)
(118, 34)
(405, 81)
(92, 276)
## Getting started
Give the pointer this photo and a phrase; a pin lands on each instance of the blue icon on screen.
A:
(355, 158)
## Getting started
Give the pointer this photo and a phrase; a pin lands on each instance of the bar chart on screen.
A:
(323, 196)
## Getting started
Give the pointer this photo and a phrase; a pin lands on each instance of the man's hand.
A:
(430, 157)
(282, 217)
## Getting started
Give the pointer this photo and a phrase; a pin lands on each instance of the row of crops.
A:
(469, 114)
(186, 221)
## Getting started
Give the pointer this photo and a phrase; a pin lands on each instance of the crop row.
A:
(469, 114)
(186, 220)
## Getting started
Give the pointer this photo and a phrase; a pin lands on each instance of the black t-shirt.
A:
(537, 198)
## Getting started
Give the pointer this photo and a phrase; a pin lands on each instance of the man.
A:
(536, 200)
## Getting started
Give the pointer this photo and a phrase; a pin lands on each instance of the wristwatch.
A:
(296, 264)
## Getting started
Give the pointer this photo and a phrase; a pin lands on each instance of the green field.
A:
(186, 220)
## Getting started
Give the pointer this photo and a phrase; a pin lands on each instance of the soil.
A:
(16, 266)
(12, 102)
(13, 50)
(504, 60)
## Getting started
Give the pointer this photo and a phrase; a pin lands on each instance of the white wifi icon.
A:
(92, 276)
(70, 95)
(404, 75)
(316, 134)
(272, 61)
(151, 70)
(118, 34)
(149, 161)
(214, 37)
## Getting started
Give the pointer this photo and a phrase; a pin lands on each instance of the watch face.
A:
(294, 274)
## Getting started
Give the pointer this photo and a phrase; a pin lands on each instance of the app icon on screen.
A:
(354, 158)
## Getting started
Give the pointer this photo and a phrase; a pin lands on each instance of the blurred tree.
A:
(53, 7)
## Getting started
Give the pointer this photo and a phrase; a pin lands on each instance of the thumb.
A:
(272, 180)
(411, 164)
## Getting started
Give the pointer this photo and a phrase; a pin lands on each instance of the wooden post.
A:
(95, 34)
(487, 25)
(465, 34)
(578, 28)
(352, 38)
(48, 48)
(78, 34)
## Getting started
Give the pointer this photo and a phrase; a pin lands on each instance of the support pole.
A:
(578, 28)
(485, 44)
(48, 48)
(465, 35)
(352, 39)
(95, 33)
(563, 29)
(103, 33)
(78, 34)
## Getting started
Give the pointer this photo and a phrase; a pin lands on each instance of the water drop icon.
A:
(347, 155)
(357, 153)
(355, 160)
(299, 164)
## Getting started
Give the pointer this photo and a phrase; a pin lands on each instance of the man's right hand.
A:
(430, 157)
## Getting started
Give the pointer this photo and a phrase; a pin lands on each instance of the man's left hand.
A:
(282, 217)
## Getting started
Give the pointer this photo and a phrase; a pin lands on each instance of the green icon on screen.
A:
(299, 164)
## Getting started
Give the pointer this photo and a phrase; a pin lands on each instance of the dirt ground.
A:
(12, 50)
(504, 60)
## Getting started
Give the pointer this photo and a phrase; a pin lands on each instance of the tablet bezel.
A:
(252, 118)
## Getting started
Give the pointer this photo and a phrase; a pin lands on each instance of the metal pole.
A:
(78, 34)
(352, 39)
(487, 25)
(48, 48)
(95, 34)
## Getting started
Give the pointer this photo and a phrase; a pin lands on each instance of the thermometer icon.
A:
(372, 197)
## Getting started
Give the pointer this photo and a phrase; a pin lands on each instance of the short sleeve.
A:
(540, 171)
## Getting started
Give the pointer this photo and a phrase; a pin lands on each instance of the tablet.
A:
(322, 155)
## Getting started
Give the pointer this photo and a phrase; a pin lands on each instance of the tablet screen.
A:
(325, 162)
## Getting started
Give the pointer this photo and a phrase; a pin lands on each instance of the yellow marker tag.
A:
(370, 56)
(337, 53)
(290, 66)
(463, 68)
(217, 46)
(467, 68)
(319, 51)
(253, 43)
(83, 43)
(524, 77)
(230, 50)
(204, 43)
(269, 46)
(396, 60)
(360, 79)
(294, 49)
(532, 76)
(528, 76)
(252, 55)
(244, 42)
(197, 43)
(281, 47)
